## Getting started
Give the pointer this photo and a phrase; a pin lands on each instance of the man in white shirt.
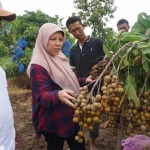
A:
(7, 130)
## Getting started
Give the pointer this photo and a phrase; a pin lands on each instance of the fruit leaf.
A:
(135, 52)
(143, 45)
(146, 50)
(144, 63)
(113, 70)
(131, 90)
(131, 38)
(107, 52)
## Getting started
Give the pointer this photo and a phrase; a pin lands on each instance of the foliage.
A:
(133, 61)
(11, 69)
(35, 20)
(26, 26)
(70, 37)
(142, 24)
(3, 50)
(7, 35)
(95, 13)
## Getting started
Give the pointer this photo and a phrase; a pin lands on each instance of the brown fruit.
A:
(147, 115)
(134, 111)
(85, 125)
(95, 119)
(88, 107)
(75, 119)
(98, 97)
(107, 78)
(81, 133)
(132, 134)
(77, 138)
(111, 90)
(115, 77)
(114, 85)
(77, 112)
(131, 104)
(80, 140)
(117, 99)
(107, 109)
(104, 88)
(89, 120)
(146, 94)
(121, 90)
(85, 88)
(91, 127)
(97, 113)
(80, 123)
(139, 122)
(143, 127)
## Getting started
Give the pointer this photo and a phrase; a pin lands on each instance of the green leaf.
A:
(131, 38)
(126, 63)
(147, 59)
(144, 63)
(144, 23)
(135, 52)
(107, 52)
(145, 50)
(113, 70)
(131, 90)
(143, 45)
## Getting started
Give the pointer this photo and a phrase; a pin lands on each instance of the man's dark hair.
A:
(72, 19)
(121, 21)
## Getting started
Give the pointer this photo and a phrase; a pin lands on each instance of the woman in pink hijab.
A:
(53, 83)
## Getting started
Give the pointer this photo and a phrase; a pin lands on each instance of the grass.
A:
(4, 60)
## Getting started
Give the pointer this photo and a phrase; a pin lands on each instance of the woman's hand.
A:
(65, 97)
(89, 79)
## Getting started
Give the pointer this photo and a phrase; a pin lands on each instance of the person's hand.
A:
(89, 79)
(65, 97)
(17, 140)
(105, 125)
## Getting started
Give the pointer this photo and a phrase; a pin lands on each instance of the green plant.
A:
(3, 50)
(11, 69)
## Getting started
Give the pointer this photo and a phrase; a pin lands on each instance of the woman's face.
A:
(55, 43)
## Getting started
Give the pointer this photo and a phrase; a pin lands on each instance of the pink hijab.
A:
(57, 66)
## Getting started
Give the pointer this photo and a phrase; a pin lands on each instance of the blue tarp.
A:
(66, 48)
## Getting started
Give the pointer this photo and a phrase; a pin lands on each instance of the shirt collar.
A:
(87, 40)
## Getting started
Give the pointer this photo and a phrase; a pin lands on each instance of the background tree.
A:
(96, 13)
(26, 27)
(7, 34)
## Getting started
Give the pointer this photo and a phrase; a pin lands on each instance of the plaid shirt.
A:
(48, 112)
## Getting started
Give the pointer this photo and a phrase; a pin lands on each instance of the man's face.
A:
(76, 29)
(123, 27)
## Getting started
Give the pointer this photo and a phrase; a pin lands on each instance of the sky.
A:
(127, 9)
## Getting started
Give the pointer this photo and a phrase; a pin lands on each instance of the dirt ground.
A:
(21, 103)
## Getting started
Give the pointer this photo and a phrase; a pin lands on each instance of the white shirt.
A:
(7, 131)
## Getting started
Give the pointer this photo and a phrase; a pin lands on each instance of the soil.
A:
(21, 103)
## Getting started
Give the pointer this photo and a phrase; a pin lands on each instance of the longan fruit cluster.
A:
(98, 68)
(138, 118)
(113, 93)
(88, 110)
